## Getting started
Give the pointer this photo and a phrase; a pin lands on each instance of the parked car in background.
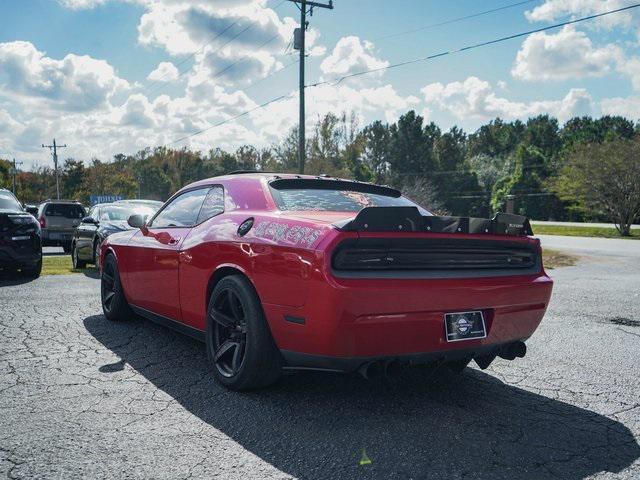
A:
(155, 204)
(286, 271)
(20, 241)
(32, 209)
(101, 221)
(58, 220)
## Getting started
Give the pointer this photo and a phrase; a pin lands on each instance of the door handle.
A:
(173, 241)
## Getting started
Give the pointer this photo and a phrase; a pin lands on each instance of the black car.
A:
(20, 237)
(103, 220)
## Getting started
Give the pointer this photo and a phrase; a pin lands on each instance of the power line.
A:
(150, 90)
(453, 20)
(263, 105)
(430, 57)
(474, 46)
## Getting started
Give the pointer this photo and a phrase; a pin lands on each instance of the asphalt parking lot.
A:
(82, 397)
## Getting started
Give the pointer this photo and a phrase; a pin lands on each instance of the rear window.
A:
(9, 202)
(333, 196)
(66, 210)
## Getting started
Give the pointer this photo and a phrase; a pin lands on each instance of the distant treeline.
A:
(452, 171)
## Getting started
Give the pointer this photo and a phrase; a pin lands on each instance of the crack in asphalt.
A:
(82, 397)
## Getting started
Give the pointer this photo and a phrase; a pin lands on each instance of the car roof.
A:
(241, 175)
(48, 200)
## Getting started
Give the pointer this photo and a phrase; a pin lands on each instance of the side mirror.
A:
(136, 221)
(88, 220)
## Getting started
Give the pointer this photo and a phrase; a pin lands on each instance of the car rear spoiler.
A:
(409, 219)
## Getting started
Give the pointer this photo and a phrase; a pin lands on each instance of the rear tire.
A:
(239, 342)
(76, 262)
(33, 271)
(114, 303)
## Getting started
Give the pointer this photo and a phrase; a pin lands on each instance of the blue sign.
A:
(95, 199)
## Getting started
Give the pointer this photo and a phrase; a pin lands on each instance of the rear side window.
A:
(9, 202)
(334, 196)
(182, 211)
(213, 204)
(66, 210)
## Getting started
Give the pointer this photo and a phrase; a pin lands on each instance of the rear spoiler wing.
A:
(409, 219)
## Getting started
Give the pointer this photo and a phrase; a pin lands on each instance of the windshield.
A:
(338, 200)
(66, 210)
(122, 213)
(9, 202)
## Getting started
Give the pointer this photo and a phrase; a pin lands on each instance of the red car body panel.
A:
(310, 311)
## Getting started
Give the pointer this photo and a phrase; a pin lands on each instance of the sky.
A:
(118, 76)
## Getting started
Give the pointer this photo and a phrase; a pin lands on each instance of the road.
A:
(82, 397)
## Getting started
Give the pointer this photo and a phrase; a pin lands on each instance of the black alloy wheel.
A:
(229, 332)
(114, 303)
(238, 338)
(108, 287)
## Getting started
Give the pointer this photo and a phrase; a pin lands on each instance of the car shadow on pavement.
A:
(320, 426)
(12, 278)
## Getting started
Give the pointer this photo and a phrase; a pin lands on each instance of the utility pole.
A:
(15, 172)
(298, 44)
(54, 150)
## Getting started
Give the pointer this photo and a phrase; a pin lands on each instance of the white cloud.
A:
(351, 55)
(626, 107)
(81, 4)
(568, 54)
(551, 10)
(277, 119)
(73, 83)
(476, 99)
(165, 72)
(631, 68)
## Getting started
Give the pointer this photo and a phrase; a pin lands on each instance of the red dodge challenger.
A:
(282, 271)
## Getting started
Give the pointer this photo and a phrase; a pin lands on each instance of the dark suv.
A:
(58, 220)
(20, 246)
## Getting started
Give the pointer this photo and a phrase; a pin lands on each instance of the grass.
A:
(602, 232)
(61, 265)
(554, 259)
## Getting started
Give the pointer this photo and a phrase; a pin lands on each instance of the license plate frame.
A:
(461, 326)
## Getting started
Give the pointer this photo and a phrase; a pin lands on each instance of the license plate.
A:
(464, 326)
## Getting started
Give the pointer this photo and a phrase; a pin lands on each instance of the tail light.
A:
(43, 222)
(468, 256)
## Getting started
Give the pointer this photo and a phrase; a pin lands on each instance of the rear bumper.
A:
(345, 323)
(11, 256)
(303, 361)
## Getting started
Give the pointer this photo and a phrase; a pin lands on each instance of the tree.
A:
(376, 149)
(496, 139)
(411, 146)
(422, 192)
(525, 183)
(603, 178)
(72, 175)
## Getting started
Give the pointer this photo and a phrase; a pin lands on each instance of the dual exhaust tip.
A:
(378, 369)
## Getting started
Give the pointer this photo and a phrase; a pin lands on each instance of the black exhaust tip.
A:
(513, 351)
